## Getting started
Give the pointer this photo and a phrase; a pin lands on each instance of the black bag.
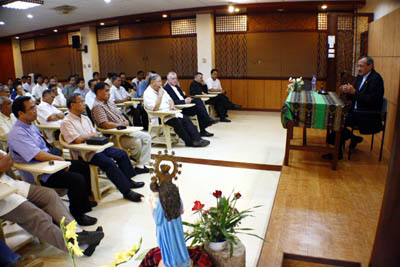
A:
(98, 141)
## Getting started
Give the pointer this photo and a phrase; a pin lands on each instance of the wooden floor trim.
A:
(232, 164)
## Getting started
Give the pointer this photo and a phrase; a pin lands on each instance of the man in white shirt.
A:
(139, 77)
(59, 98)
(156, 99)
(21, 92)
(38, 89)
(90, 96)
(49, 115)
(214, 86)
(109, 77)
(27, 83)
(118, 93)
(39, 211)
(7, 119)
(81, 88)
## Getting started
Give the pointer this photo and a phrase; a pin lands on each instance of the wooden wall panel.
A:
(132, 56)
(239, 92)
(273, 94)
(282, 22)
(7, 69)
(158, 55)
(149, 29)
(51, 41)
(255, 94)
(185, 83)
(227, 86)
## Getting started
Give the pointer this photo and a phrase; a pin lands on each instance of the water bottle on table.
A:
(314, 83)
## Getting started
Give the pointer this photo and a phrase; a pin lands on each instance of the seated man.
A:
(7, 119)
(39, 211)
(125, 83)
(96, 76)
(220, 102)
(143, 85)
(139, 77)
(21, 92)
(120, 95)
(109, 78)
(82, 90)
(48, 115)
(77, 128)
(54, 80)
(90, 96)
(28, 146)
(5, 91)
(366, 95)
(70, 88)
(175, 92)
(27, 84)
(107, 116)
(59, 98)
(39, 87)
(156, 99)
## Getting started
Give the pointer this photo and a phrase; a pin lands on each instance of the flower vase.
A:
(217, 246)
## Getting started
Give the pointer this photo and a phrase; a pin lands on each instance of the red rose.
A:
(217, 193)
(197, 205)
(238, 195)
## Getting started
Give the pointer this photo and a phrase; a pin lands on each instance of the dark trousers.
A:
(201, 112)
(7, 257)
(77, 181)
(116, 164)
(140, 117)
(221, 104)
(185, 129)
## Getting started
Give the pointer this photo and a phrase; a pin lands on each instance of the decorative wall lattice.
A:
(109, 58)
(322, 21)
(184, 55)
(231, 55)
(183, 26)
(344, 55)
(322, 55)
(345, 23)
(231, 23)
(108, 34)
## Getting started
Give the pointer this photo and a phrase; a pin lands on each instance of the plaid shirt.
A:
(106, 112)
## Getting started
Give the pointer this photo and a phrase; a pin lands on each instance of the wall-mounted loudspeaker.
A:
(76, 41)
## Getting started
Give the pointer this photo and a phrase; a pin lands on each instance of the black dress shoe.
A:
(224, 120)
(92, 204)
(204, 143)
(133, 196)
(136, 184)
(206, 134)
(214, 121)
(141, 170)
(355, 141)
(91, 248)
(85, 220)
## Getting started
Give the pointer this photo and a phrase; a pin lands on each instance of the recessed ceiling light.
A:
(22, 4)
(17, 37)
(55, 30)
(102, 23)
(231, 9)
(324, 6)
(107, 1)
(164, 15)
(29, 16)
(236, 9)
(2, 23)
(138, 20)
(280, 9)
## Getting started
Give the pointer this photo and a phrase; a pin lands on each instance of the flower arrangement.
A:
(295, 84)
(220, 223)
(125, 255)
(71, 239)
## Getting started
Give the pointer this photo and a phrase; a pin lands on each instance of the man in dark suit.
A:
(221, 103)
(366, 96)
(179, 98)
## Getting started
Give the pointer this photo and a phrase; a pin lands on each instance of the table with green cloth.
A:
(309, 109)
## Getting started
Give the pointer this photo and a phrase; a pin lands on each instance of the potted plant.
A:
(218, 225)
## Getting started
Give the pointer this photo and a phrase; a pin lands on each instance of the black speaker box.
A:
(76, 41)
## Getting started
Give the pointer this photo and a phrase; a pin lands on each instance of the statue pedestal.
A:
(223, 258)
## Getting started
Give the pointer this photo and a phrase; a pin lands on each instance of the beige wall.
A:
(19, 71)
(384, 48)
(380, 8)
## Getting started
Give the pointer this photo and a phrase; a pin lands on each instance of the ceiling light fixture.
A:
(2, 23)
(231, 9)
(55, 30)
(29, 16)
(102, 23)
(164, 15)
(324, 6)
(236, 10)
(107, 1)
(21, 4)
(17, 37)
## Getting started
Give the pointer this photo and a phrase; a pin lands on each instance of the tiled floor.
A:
(245, 139)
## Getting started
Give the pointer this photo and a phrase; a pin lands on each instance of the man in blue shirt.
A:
(28, 146)
(143, 85)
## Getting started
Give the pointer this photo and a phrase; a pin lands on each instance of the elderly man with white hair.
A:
(7, 119)
(179, 97)
(156, 99)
